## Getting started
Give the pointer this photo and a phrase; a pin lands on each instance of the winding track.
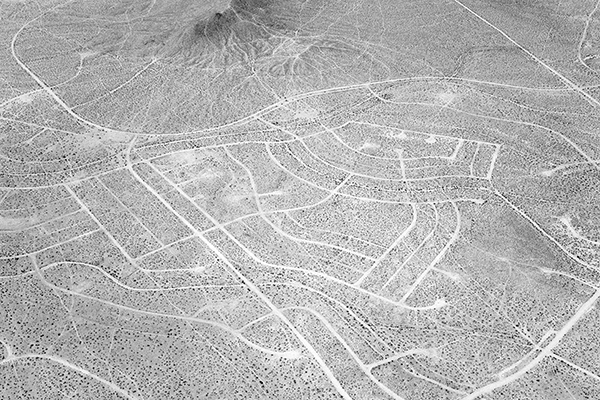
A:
(546, 351)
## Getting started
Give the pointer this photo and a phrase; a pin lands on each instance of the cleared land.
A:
(266, 199)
